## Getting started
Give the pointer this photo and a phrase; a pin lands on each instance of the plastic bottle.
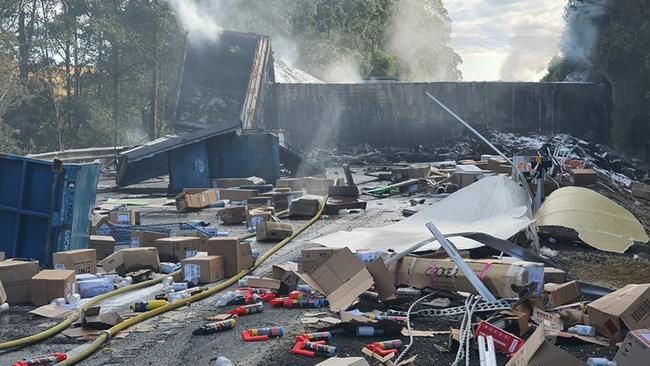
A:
(305, 288)
(222, 361)
(226, 299)
(243, 281)
(366, 331)
(180, 286)
(92, 288)
(600, 361)
(584, 330)
(167, 281)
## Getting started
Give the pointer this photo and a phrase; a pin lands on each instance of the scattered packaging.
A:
(95, 287)
(236, 256)
(141, 239)
(503, 340)
(16, 277)
(103, 245)
(131, 259)
(80, 260)
(269, 230)
(177, 248)
(583, 177)
(312, 258)
(95, 319)
(263, 282)
(443, 274)
(411, 172)
(233, 214)
(98, 220)
(235, 182)
(286, 273)
(305, 206)
(257, 215)
(128, 217)
(195, 198)
(50, 284)
(235, 194)
(206, 269)
(538, 352)
(627, 307)
(554, 275)
(635, 349)
(562, 294)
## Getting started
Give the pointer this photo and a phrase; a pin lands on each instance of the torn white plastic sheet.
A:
(599, 221)
(494, 205)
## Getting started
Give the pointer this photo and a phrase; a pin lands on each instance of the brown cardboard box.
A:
(50, 284)
(141, 239)
(640, 190)
(554, 275)
(207, 269)
(312, 258)
(562, 294)
(235, 194)
(80, 260)
(411, 172)
(269, 230)
(195, 198)
(235, 182)
(176, 248)
(236, 255)
(463, 179)
(103, 245)
(343, 277)
(233, 214)
(305, 206)
(3, 294)
(635, 349)
(627, 307)
(538, 352)
(286, 273)
(131, 259)
(497, 275)
(16, 277)
(129, 217)
(494, 163)
(97, 221)
(583, 177)
(257, 215)
(254, 281)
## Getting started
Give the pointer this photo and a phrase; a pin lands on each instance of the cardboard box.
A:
(254, 281)
(640, 190)
(305, 206)
(3, 294)
(98, 221)
(235, 194)
(233, 214)
(554, 275)
(16, 277)
(235, 182)
(635, 349)
(269, 230)
(562, 294)
(177, 248)
(103, 245)
(207, 269)
(403, 173)
(494, 163)
(538, 352)
(257, 215)
(195, 199)
(463, 179)
(627, 307)
(80, 260)
(236, 256)
(50, 284)
(129, 217)
(342, 277)
(140, 239)
(131, 259)
(443, 274)
(259, 201)
(286, 273)
(344, 361)
(312, 258)
(583, 177)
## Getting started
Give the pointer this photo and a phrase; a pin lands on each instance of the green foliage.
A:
(383, 64)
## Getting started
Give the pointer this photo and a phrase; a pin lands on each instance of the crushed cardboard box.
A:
(205, 269)
(131, 259)
(174, 249)
(103, 245)
(232, 214)
(50, 284)
(628, 307)
(286, 273)
(305, 206)
(195, 198)
(236, 255)
(273, 231)
(538, 352)
(635, 349)
(16, 277)
(94, 318)
(80, 260)
(561, 294)
(312, 258)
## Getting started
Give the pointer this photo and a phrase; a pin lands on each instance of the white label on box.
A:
(190, 253)
(135, 242)
(256, 220)
(59, 266)
(192, 271)
(123, 217)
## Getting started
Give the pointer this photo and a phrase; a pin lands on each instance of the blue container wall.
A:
(188, 167)
(42, 211)
(249, 154)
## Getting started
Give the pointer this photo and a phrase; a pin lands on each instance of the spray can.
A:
(395, 318)
(43, 360)
(215, 327)
(584, 330)
(248, 309)
(321, 349)
(267, 331)
(392, 344)
(317, 336)
(366, 331)
(600, 361)
(142, 306)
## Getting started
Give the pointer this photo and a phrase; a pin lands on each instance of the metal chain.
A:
(503, 304)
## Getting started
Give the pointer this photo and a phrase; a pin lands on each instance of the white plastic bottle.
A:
(584, 330)
(222, 361)
(226, 299)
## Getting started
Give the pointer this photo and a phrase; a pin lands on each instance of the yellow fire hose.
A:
(106, 335)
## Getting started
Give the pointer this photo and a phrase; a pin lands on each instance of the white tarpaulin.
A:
(494, 205)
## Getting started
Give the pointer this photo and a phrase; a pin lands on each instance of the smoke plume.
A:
(196, 19)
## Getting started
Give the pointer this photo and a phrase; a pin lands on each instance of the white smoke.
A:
(196, 18)
(343, 70)
(581, 33)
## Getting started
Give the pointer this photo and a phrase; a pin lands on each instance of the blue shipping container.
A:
(45, 206)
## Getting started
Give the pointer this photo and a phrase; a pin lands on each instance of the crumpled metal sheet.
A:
(494, 205)
(599, 221)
